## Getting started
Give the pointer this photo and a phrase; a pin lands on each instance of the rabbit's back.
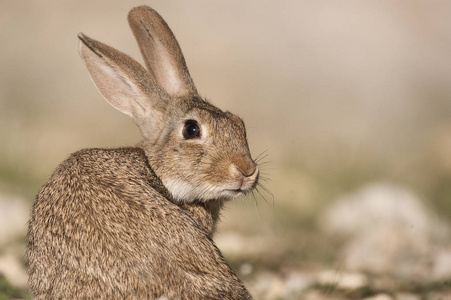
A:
(102, 228)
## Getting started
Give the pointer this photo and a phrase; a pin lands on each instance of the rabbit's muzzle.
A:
(245, 179)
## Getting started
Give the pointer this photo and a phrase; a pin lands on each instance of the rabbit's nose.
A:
(245, 165)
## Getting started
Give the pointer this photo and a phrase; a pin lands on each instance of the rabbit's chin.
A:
(185, 192)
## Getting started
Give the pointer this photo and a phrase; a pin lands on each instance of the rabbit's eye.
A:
(191, 130)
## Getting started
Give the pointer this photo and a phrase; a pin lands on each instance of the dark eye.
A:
(191, 130)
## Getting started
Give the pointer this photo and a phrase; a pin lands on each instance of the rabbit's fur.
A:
(137, 223)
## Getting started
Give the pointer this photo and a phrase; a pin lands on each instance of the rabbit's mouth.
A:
(236, 192)
(229, 194)
(243, 190)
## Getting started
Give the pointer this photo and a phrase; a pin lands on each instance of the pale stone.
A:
(13, 269)
(246, 269)
(442, 265)
(407, 296)
(298, 281)
(342, 280)
(389, 250)
(274, 286)
(14, 213)
(389, 231)
(376, 205)
(379, 297)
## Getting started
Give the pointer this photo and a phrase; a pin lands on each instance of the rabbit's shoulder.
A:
(121, 168)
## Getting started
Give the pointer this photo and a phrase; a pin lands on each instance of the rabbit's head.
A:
(199, 151)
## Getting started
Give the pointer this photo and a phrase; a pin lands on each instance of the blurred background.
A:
(350, 101)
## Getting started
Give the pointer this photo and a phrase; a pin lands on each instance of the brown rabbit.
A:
(136, 223)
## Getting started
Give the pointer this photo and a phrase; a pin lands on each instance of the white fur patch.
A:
(183, 191)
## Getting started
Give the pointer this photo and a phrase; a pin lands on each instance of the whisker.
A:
(265, 174)
(256, 205)
(262, 196)
(261, 158)
(264, 163)
(264, 179)
(260, 155)
(267, 191)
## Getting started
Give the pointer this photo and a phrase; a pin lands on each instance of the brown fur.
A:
(137, 223)
(101, 228)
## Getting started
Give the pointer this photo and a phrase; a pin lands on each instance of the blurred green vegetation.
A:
(19, 179)
(7, 291)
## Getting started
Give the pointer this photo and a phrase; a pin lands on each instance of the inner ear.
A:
(125, 84)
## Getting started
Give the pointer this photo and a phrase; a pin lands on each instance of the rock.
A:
(342, 280)
(238, 245)
(407, 296)
(246, 269)
(267, 285)
(12, 267)
(445, 295)
(377, 205)
(388, 230)
(379, 297)
(296, 282)
(390, 250)
(441, 269)
(313, 295)
(232, 243)
(14, 213)
(274, 286)
(318, 295)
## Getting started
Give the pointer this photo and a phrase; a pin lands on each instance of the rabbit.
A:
(137, 222)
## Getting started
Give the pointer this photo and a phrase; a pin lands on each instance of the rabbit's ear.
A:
(122, 81)
(161, 52)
